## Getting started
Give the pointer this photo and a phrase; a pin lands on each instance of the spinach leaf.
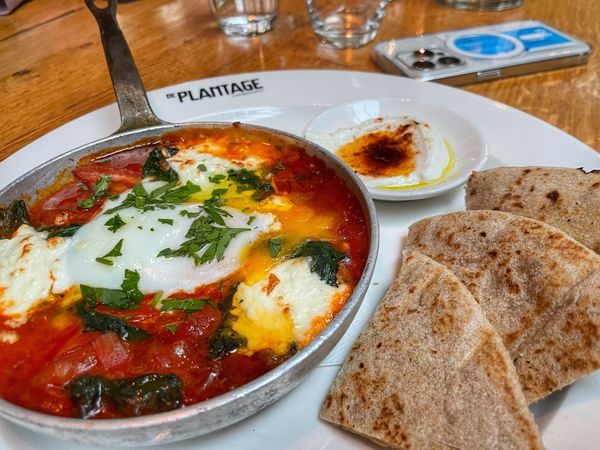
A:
(185, 304)
(146, 394)
(95, 321)
(249, 181)
(157, 167)
(67, 231)
(100, 190)
(225, 339)
(324, 259)
(12, 217)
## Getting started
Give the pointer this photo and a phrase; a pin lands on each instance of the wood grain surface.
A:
(52, 67)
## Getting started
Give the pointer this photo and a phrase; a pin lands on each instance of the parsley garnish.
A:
(100, 190)
(274, 245)
(69, 230)
(128, 297)
(324, 259)
(251, 219)
(116, 251)
(163, 197)
(172, 327)
(155, 299)
(114, 223)
(185, 304)
(130, 286)
(202, 167)
(166, 221)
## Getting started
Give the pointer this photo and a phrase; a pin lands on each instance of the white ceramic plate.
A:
(466, 141)
(289, 100)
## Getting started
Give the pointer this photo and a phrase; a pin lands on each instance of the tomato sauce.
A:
(52, 347)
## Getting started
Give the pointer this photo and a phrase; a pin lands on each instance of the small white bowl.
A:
(468, 145)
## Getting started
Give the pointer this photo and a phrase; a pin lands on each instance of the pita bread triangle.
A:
(429, 371)
(537, 286)
(568, 199)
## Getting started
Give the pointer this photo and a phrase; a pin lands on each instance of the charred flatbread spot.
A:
(483, 234)
(553, 196)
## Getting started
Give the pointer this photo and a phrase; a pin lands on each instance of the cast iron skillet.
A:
(138, 123)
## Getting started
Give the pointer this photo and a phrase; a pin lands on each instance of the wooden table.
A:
(52, 67)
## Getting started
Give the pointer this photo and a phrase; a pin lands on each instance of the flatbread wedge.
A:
(430, 372)
(537, 286)
(569, 199)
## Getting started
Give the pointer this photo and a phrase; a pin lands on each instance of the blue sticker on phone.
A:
(536, 37)
(485, 44)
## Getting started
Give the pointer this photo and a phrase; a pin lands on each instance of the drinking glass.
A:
(244, 17)
(482, 5)
(346, 23)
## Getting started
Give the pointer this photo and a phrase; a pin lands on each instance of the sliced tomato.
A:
(121, 179)
(60, 209)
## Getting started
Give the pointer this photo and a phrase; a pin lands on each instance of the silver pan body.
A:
(226, 409)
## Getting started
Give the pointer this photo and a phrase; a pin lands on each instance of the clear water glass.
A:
(482, 5)
(346, 24)
(245, 17)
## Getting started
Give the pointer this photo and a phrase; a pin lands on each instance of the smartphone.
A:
(484, 53)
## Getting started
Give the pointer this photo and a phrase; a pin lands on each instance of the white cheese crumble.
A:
(29, 266)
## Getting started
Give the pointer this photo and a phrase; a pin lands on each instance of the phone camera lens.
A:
(423, 54)
(423, 65)
(449, 61)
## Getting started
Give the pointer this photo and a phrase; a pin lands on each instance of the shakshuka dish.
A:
(150, 278)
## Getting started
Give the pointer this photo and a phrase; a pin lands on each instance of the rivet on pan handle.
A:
(129, 89)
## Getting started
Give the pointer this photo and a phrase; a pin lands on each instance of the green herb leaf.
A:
(172, 328)
(202, 167)
(147, 394)
(155, 299)
(163, 197)
(100, 190)
(116, 251)
(166, 221)
(113, 298)
(185, 304)
(95, 321)
(67, 231)
(181, 194)
(274, 245)
(157, 167)
(251, 219)
(248, 181)
(114, 223)
(12, 217)
(324, 259)
(216, 179)
(130, 286)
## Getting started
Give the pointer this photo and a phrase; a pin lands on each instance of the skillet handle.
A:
(129, 89)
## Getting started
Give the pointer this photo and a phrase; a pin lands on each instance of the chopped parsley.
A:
(274, 245)
(201, 167)
(216, 179)
(172, 327)
(67, 231)
(116, 251)
(185, 304)
(99, 190)
(251, 219)
(128, 297)
(166, 221)
(114, 223)
(155, 299)
(163, 197)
